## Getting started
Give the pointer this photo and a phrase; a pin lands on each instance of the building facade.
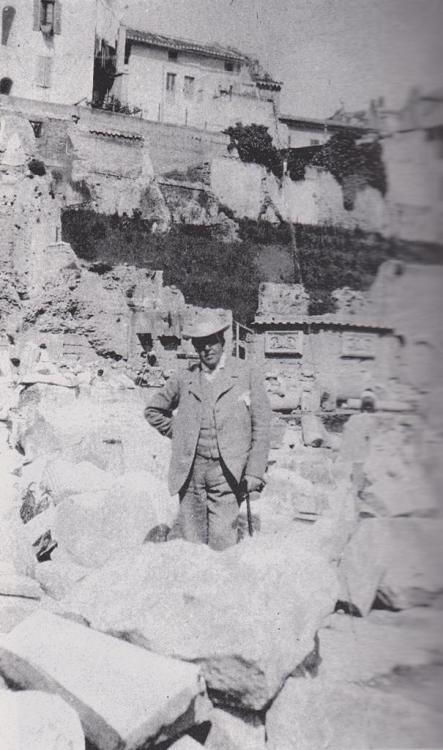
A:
(197, 85)
(51, 50)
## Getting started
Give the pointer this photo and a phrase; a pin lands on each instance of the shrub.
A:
(254, 144)
(37, 167)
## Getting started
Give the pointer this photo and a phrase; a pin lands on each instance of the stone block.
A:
(316, 714)
(35, 719)
(63, 478)
(247, 615)
(235, 731)
(185, 743)
(12, 584)
(356, 437)
(362, 566)
(13, 610)
(360, 650)
(413, 560)
(125, 696)
(93, 527)
(58, 575)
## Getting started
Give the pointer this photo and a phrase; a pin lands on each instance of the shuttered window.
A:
(48, 16)
(57, 17)
(8, 14)
(44, 71)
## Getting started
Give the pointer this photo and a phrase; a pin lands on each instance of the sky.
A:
(328, 53)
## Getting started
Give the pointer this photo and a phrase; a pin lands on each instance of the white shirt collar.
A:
(211, 374)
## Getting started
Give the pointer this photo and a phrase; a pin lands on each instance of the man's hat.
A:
(206, 324)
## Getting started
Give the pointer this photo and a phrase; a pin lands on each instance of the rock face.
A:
(124, 695)
(248, 615)
(36, 719)
(315, 714)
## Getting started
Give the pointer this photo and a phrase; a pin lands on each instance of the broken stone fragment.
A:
(249, 630)
(35, 719)
(233, 730)
(124, 695)
(12, 584)
(318, 714)
(362, 566)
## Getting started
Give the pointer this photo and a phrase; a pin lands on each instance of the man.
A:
(220, 436)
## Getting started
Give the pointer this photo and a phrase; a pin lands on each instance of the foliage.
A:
(208, 272)
(345, 159)
(37, 167)
(113, 104)
(254, 144)
(216, 274)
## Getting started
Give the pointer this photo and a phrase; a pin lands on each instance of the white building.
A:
(302, 132)
(50, 49)
(199, 85)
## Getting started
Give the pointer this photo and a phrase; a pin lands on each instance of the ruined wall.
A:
(171, 147)
(414, 166)
(318, 199)
(322, 355)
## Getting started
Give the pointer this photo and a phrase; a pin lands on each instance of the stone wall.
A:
(248, 190)
(172, 147)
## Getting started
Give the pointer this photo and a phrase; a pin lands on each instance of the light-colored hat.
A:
(206, 324)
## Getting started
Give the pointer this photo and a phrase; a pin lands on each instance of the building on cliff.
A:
(199, 85)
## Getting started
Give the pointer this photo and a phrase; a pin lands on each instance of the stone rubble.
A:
(123, 695)
(164, 599)
(38, 720)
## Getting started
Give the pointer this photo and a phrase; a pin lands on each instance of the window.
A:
(44, 72)
(8, 14)
(170, 83)
(47, 16)
(127, 51)
(229, 66)
(47, 13)
(5, 85)
(37, 127)
(189, 87)
(315, 142)
(172, 54)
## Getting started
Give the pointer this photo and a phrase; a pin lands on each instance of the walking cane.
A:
(244, 496)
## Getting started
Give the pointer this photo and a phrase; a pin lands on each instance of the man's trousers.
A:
(209, 506)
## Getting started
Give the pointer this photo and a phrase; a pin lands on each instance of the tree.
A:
(254, 144)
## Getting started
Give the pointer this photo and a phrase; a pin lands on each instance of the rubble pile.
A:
(337, 593)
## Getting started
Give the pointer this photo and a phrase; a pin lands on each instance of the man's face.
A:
(210, 349)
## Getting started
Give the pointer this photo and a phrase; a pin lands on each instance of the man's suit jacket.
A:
(242, 417)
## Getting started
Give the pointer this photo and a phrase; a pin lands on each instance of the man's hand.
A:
(252, 484)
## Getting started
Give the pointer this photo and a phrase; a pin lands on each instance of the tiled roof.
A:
(117, 134)
(319, 320)
(184, 45)
(326, 124)
(268, 83)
